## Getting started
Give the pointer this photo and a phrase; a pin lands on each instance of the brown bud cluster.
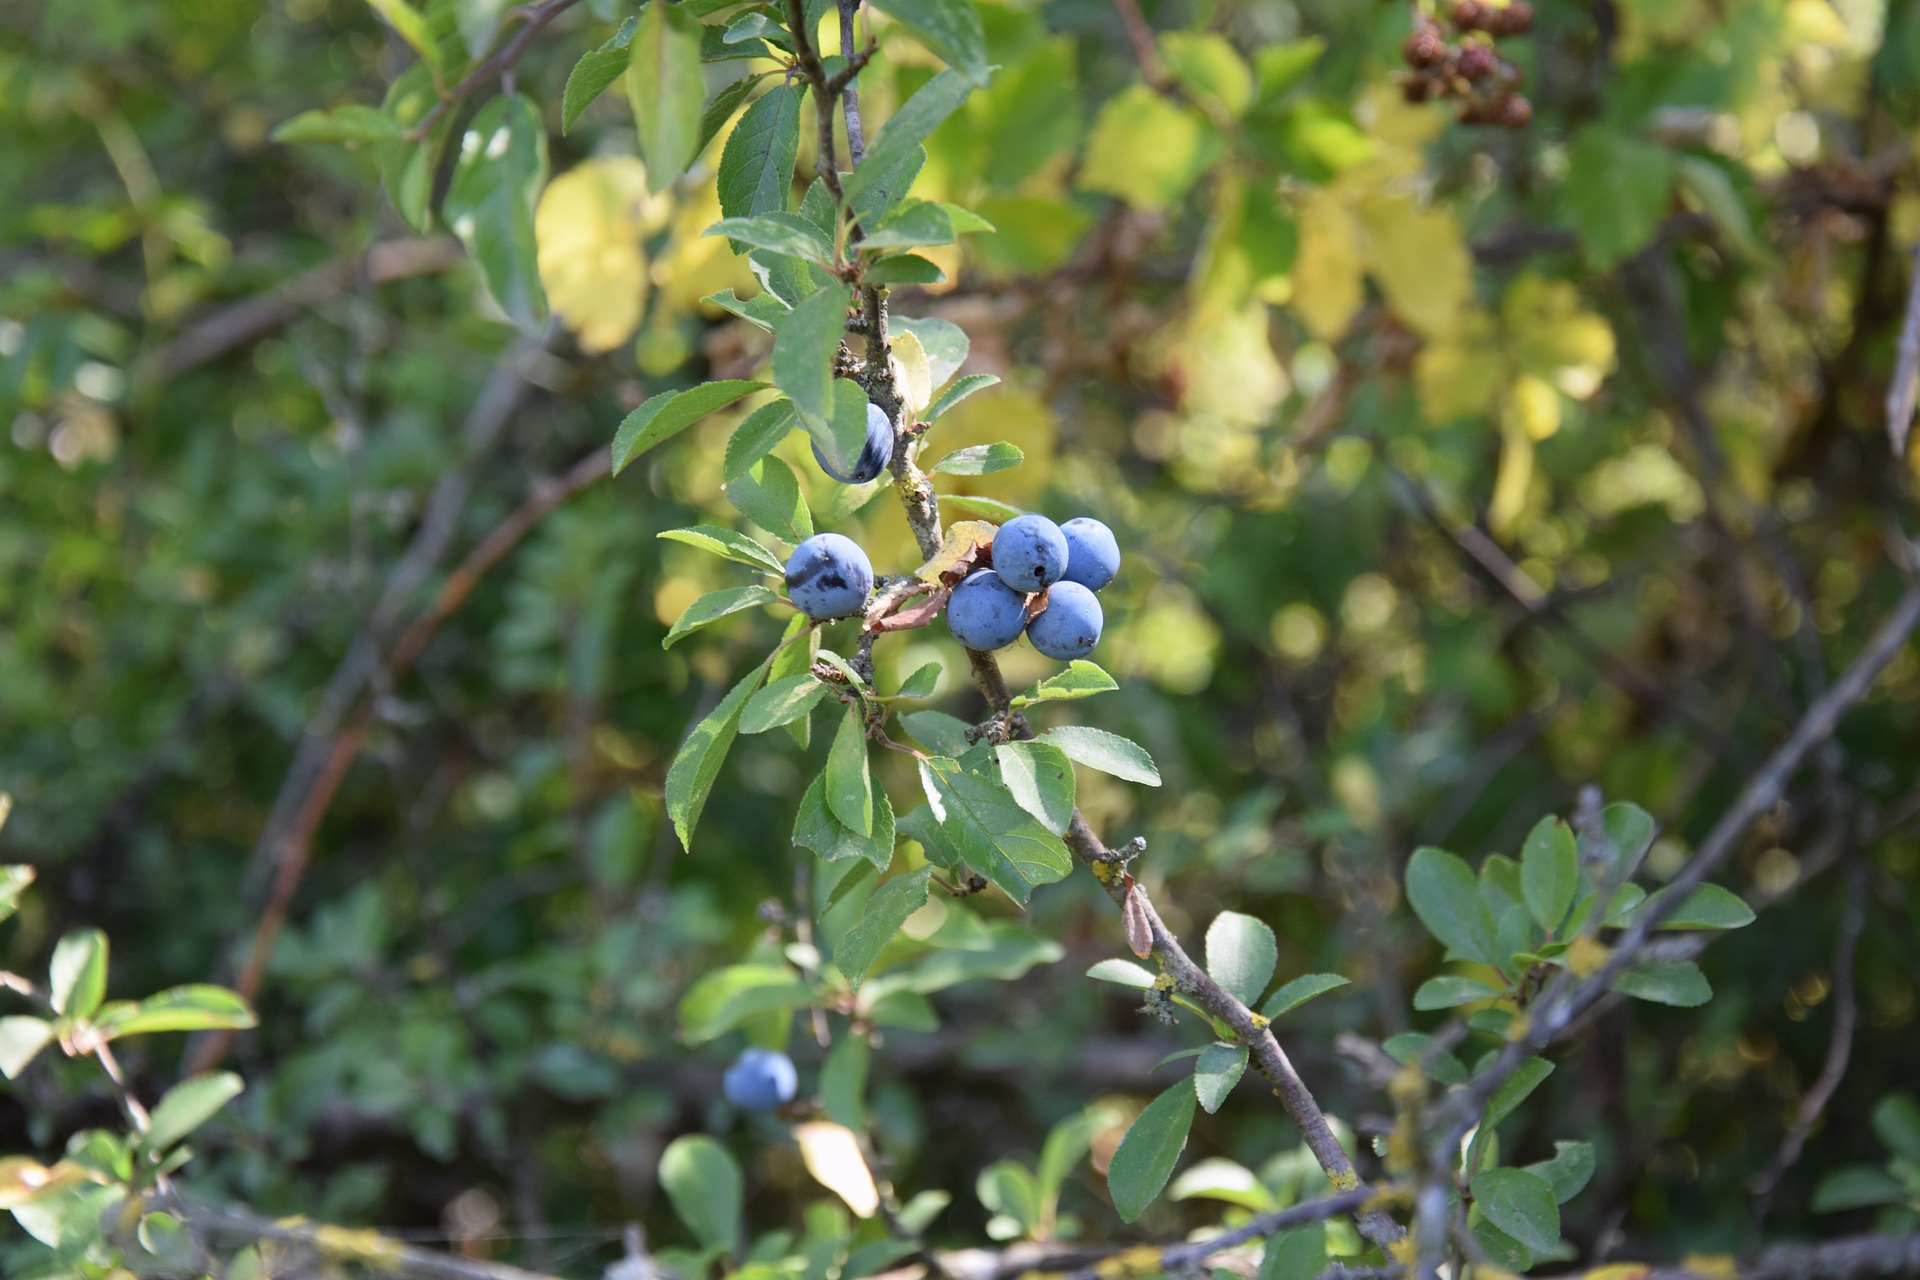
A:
(1458, 58)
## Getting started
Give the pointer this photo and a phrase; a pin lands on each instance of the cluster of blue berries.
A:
(1069, 562)
(760, 1080)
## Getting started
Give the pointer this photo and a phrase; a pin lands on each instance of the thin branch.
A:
(359, 1246)
(501, 63)
(296, 846)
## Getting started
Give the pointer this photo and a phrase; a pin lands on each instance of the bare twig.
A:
(501, 63)
(353, 1245)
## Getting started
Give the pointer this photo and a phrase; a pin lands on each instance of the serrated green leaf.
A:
(764, 310)
(1040, 778)
(77, 978)
(715, 605)
(803, 350)
(496, 182)
(1293, 994)
(913, 223)
(666, 90)
(1520, 1204)
(849, 780)
(993, 834)
(703, 1181)
(992, 508)
(937, 99)
(1299, 1254)
(756, 165)
(922, 682)
(903, 268)
(698, 761)
(769, 495)
(960, 390)
(597, 70)
(195, 1007)
(1549, 872)
(1145, 1157)
(787, 234)
(1123, 973)
(1081, 679)
(1514, 1090)
(1218, 1070)
(758, 436)
(1681, 985)
(1241, 954)
(728, 545)
(726, 998)
(937, 731)
(816, 828)
(781, 702)
(949, 28)
(979, 460)
(1569, 1171)
(886, 911)
(349, 123)
(1107, 752)
(724, 103)
(668, 414)
(1446, 897)
(190, 1104)
(1449, 991)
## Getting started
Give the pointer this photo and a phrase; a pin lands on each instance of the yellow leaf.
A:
(1420, 261)
(914, 374)
(1552, 336)
(1210, 69)
(1145, 149)
(1532, 406)
(1458, 375)
(832, 1155)
(1391, 118)
(692, 264)
(588, 230)
(962, 537)
(1223, 363)
(1511, 481)
(1720, 1266)
(1328, 286)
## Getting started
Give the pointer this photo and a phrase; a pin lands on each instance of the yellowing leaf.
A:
(1420, 260)
(1145, 149)
(832, 1155)
(1208, 67)
(1533, 407)
(1552, 336)
(1224, 364)
(962, 537)
(1511, 482)
(1459, 374)
(1328, 284)
(1391, 118)
(914, 373)
(588, 228)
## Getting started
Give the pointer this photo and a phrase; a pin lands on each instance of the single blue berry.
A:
(829, 576)
(1070, 625)
(984, 613)
(1030, 553)
(874, 455)
(760, 1080)
(1093, 557)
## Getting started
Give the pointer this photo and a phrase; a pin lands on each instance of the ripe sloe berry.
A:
(1030, 553)
(829, 576)
(984, 613)
(1093, 557)
(760, 1080)
(1070, 625)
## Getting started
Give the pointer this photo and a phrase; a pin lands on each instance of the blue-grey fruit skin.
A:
(1070, 625)
(1030, 553)
(760, 1080)
(874, 455)
(1093, 557)
(829, 576)
(984, 613)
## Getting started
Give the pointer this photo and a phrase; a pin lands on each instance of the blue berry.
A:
(874, 456)
(984, 613)
(829, 576)
(1093, 557)
(1030, 553)
(1070, 625)
(760, 1080)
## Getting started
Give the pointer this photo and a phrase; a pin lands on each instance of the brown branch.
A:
(358, 1246)
(501, 63)
(297, 844)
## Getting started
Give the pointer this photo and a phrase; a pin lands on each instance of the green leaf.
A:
(699, 759)
(725, 998)
(1293, 994)
(1299, 1254)
(1708, 906)
(758, 436)
(992, 508)
(1123, 973)
(77, 978)
(597, 69)
(842, 437)
(922, 682)
(769, 495)
(1446, 897)
(411, 27)
(1897, 1123)
(903, 268)
(496, 183)
(843, 1082)
(1549, 872)
(1410, 1049)
(916, 222)
(960, 390)
(728, 545)
(1569, 1170)
(1241, 954)
(781, 702)
(803, 350)
(1857, 1187)
(979, 460)
(950, 28)
(849, 781)
(1040, 778)
(764, 310)
(21, 1040)
(937, 99)
(1502, 1250)
(1145, 1158)
(1514, 1090)
(714, 606)
(1146, 149)
(756, 165)
(702, 1179)
(1681, 985)
(667, 91)
(993, 833)
(13, 879)
(1449, 991)
(965, 221)
(350, 123)
(190, 1104)
(1081, 679)
(886, 911)
(783, 233)
(816, 828)
(1218, 1070)
(1108, 752)
(1626, 833)
(1520, 1204)
(725, 102)
(937, 731)
(195, 1007)
(668, 414)
(1617, 192)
